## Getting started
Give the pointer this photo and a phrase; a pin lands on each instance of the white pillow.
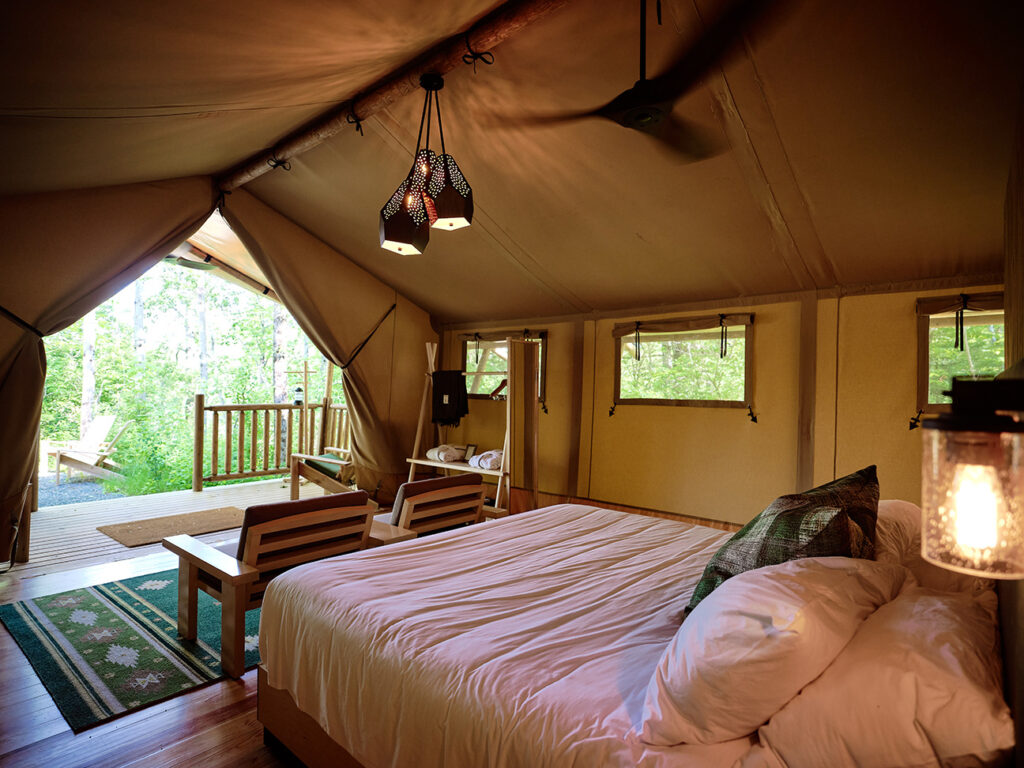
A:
(898, 540)
(918, 685)
(754, 642)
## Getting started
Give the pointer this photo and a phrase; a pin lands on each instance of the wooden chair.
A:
(427, 506)
(92, 453)
(274, 538)
(324, 470)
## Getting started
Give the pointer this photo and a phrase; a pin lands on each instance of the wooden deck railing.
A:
(257, 440)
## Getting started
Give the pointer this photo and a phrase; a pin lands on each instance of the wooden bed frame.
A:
(284, 724)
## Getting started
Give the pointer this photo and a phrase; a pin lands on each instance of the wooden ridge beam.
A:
(485, 34)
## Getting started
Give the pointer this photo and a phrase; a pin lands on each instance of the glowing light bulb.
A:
(975, 495)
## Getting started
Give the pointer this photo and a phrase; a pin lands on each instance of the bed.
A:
(534, 641)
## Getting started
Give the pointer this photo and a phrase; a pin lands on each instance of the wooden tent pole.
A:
(489, 31)
(326, 423)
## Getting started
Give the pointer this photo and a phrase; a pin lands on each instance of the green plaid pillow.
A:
(837, 518)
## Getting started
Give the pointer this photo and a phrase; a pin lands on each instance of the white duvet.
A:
(527, 641)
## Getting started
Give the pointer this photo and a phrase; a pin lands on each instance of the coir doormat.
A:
(140, 532)
(106, 650)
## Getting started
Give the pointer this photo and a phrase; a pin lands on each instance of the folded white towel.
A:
(446, 453)
(489, 460)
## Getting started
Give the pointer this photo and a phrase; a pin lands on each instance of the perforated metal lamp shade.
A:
(406, 217)
(452, 195)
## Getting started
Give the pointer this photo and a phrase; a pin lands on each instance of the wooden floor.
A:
(214, 726)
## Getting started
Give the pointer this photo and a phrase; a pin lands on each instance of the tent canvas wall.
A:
(868, 145)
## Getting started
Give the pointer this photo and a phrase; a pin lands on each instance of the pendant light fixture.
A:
(972, 479)
(433, 194)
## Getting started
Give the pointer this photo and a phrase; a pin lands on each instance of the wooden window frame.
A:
(623, 330)
(937, 305)
(541, 336)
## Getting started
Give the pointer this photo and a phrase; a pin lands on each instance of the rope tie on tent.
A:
(750, 413)
(362, 344)
(275, 163)
(474, 56)
(221, 198)
(636, 342)
(352, 119)
(20, 323)
(958, 339)
(723, 344)
(476, 339)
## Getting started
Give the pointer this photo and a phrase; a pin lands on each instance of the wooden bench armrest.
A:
(384, 533)
(210, 560)
(324, 459)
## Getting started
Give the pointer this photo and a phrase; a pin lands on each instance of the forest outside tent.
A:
(144, 354)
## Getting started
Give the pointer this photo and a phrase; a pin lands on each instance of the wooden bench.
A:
(274, 538)
(436, 504)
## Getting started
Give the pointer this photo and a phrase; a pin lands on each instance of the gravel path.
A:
(78, 490)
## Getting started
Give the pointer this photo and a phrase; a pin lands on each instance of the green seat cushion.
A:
(328, 468)
(834, 519)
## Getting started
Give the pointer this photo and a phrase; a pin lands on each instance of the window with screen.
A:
(485, 361)
(703, 361)
(957, 336)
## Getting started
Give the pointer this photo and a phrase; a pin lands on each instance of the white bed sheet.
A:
(527, 641)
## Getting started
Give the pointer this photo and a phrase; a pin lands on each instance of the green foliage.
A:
(153, 386)
(682, 366)
(63, 393)
(983, 355)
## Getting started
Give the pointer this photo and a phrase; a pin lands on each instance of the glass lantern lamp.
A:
(972, 480)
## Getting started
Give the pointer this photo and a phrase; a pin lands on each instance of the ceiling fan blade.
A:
(557, 118)
(688, 140)
(721, 38)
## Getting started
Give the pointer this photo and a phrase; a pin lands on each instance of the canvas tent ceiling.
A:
(869, 142)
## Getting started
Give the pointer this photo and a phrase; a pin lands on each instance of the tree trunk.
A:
(280, 377)
(139, 326)
(204, 352)
(88, 409)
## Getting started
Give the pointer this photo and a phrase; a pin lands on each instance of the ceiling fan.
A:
(647, 106)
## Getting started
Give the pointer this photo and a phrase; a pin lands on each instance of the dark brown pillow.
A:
(263, 513)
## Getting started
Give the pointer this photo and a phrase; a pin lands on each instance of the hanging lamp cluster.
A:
(434, 194)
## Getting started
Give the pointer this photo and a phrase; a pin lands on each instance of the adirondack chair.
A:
(92, 453)
(274, 538)
(324, 470)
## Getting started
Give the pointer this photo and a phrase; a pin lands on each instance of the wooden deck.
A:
(65, 537)
(214, 726)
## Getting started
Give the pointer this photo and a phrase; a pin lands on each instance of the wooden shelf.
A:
(458, 466)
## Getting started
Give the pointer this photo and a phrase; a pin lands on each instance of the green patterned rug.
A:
(110, 649)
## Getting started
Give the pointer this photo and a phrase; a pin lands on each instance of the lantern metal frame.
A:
(972, 478)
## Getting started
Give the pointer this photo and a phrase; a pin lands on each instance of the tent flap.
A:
(338, 304)
(68, 252)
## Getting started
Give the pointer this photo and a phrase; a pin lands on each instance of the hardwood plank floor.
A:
(214, 726)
